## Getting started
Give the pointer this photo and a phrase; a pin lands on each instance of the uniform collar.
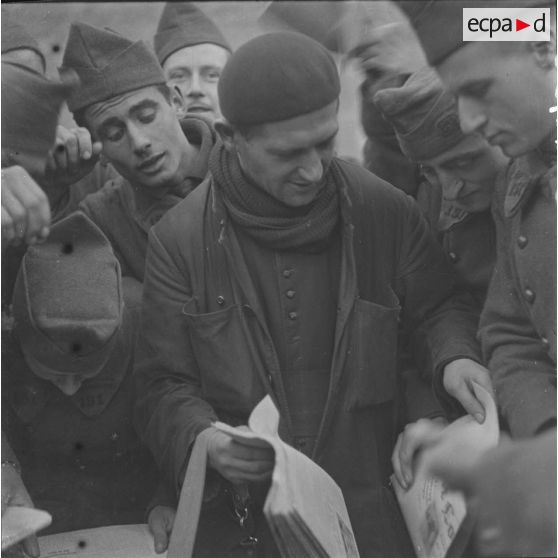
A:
(527, 174)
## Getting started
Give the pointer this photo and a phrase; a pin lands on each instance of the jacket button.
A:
(545, 342)
(290, 294)
(453, 257)
(287, 273)
(293, 315)
(529, 295)
(522, 241)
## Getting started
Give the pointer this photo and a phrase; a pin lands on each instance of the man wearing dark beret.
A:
(192, 51)
(126, 105)
(286, 273)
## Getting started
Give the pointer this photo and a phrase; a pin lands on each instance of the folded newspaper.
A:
(304, 507)
(433, 513)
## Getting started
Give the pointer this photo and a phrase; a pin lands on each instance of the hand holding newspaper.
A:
(305, 508)
(433, 513)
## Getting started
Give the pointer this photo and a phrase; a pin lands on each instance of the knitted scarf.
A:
(269, 222)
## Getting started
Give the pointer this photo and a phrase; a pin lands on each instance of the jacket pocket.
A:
(226, 358)
(372, 358)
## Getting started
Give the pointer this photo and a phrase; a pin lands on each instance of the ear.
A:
(544, 52)
(226, 133)
(177, 101)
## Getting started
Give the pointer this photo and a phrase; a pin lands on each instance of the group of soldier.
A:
(194, 244)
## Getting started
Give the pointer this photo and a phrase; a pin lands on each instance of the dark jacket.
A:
(80, 457)
(518, 324)
(204, 351)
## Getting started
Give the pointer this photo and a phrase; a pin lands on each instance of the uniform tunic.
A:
(80, 456)
(518, 324)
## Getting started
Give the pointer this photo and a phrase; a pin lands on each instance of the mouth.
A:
(199, 108)
(153, 164)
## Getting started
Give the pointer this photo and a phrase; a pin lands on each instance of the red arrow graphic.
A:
(520, 24)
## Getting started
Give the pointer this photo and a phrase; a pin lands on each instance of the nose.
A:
(471, 116)
(69, 385)
(312, 169)
(139, 140)
(195, 89)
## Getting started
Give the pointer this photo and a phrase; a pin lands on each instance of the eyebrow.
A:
(145, 104)
(280, 151)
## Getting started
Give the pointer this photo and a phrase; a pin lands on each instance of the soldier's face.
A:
(196, 70)
(466, 173)
(288, 159)
(141, 136)
(504, 92)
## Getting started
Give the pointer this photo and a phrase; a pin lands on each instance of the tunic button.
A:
(522, 241)
(287, 273)
(545, 342)
(529, 295)
(290, 294)
(293, 315)
(453, 257)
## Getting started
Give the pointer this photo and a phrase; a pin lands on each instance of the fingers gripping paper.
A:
(304, 507)
(433, 513)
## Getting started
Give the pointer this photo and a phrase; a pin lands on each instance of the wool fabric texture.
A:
(30, 110)
(182, 24)
(277, 76)
(107, 64)
(68, 299)
(439, 23)
(269, 222)
(15, 37)
(423, 113)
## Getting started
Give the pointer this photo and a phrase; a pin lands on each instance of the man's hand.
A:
(72, 157)
(160, 521)
(239, 462)
(25, 208)
(14, 493)
(392, 50)
(416, 436)
(457, 379)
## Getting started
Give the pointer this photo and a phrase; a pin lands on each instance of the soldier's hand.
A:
(239, 462)
(14, 493)
(25, 208)
(72, 157)
(415, 437)
(391, 49)
(458, 379)
(161, 521)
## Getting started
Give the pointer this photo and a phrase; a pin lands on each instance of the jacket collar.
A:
(527, 174)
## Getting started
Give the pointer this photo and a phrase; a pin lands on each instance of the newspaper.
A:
(19, 522)
(304, 507)
(116, 541)
(433, 513)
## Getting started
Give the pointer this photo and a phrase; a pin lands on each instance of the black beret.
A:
(277, 76)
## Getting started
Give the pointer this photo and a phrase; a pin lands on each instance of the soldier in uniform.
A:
(67, 388)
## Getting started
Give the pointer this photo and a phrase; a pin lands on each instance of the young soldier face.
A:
(288, 159)
(466, 172)
(196, 70)
(141, 136)
(504, 92)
